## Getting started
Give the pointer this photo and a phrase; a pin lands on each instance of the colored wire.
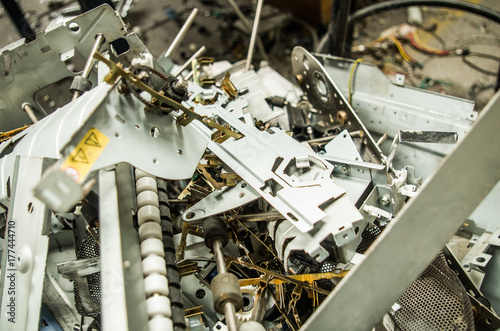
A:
(351, 76)
(418, 44)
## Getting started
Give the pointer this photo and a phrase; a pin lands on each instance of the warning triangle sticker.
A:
(80, 157)
(92, 140)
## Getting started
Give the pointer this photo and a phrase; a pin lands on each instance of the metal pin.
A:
(254, 34)
(29, 110)
(191, 59)
(182, 33)
(99, 40)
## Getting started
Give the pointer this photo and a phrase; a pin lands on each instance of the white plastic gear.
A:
(244, 316)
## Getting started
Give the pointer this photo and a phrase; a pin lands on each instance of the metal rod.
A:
(230, 314)
(219, 257)
(246, 23)
(30, 111)
(182, 33)
(255, 29)
(191, 59)
(99, 40)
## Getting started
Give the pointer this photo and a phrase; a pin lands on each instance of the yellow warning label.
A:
(86, 153)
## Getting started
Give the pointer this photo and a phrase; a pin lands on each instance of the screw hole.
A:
(190, 215)
(74, 27)
(30, 207)
(155, 132)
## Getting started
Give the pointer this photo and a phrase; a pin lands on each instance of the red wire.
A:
(423, 49)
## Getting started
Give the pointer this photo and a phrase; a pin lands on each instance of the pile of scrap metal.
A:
(144, 200)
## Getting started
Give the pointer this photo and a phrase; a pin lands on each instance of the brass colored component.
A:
(9, 134)
(188, 268)
(307, 278)
(275, 275)
(193, 311)
(228, 87)
(228, 178)
(116, 71)
(342, 117)
(187, 228)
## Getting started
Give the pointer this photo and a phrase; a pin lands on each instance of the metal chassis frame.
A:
(432, 217)
(24, 258)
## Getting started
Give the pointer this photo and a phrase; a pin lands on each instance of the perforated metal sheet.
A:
(89, 248)
(437, 300)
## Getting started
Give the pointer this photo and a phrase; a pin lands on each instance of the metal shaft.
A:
(255, 29)
(229, 309)
(219, 257)
(230, 314)
(29, 110)
(99, 40)
(191, 59)
(246, 23)
(182, 33)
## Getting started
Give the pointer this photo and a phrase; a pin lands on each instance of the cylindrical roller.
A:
(214, 228)
(152, 246)
(252, 326)
(147, 198)
(154, 264)
(160, 323)
(158, 305)
(139, 174)
(148, 213)
(149, 230)
(156, 283)
(146, 184)
(226, 288)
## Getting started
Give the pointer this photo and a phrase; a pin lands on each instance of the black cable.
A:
(478, 68)
(452, 4)
(17, 17)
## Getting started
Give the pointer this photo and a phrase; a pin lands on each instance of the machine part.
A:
(123, 298)
(169, 248)
(189, 62)
(29, 110)
(220, 201)
(252, 326)
(428, 137)
(187, 116)
(380, 108)
(437, 300)
(477, 257)
(255, 29)
(153, 261)
(24, 249)
(42, 66)
(419, 216)
(226, 291)
(214, 228)
(326, 97)
(182, 33)
(82, 84)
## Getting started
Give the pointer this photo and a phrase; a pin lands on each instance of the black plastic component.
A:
(214, 228)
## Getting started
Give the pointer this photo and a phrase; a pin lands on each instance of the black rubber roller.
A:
(215, 228)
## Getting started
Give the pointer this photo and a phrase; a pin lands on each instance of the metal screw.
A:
(345, 169)
(385, 200)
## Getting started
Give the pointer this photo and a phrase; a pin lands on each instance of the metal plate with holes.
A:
(40, 62)
(385, 107)
(220, 201)
(25, 250)
(326, 97)
(129, 128)
(291, 177)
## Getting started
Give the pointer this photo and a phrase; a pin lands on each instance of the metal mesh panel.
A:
(368, 236)
(437, 300)
(89, 248)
